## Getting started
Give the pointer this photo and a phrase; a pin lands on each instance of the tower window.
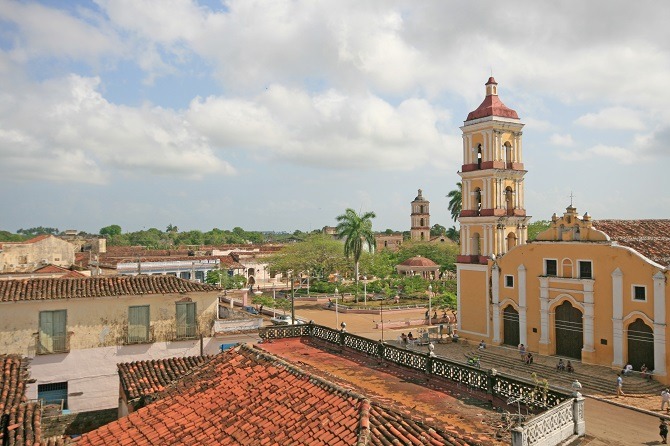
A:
(550, 267)
(479, 156)
(509, 281)
(585, 269)
(639, 293)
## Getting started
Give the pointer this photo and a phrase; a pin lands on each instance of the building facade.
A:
(75, 331)
(21, 257)
(589, 290)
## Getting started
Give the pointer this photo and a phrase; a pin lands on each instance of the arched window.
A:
(566, 268)
(479, 156)
(478, 200)
(421, 209)
(508, 154)
(475, 245)
(421, 222)
(509, 199)
(511, 240)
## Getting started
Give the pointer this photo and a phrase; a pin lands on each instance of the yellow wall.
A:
(472, 314)
(98, 322)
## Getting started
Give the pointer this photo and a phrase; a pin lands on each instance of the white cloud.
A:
(561, 140)
(619, 118)
(619, 154)
(64, 130)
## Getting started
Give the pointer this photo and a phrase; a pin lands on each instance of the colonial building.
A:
(35, 253)
(76, 330)
(584, 289)
(391, 242)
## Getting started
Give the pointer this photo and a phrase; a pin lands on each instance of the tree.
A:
(32, 232)
(319, 254)
(111, 230)
(171, 228)
(355, 229)
(456, 201)
(437, 230)
(536, 227)
(453, 234)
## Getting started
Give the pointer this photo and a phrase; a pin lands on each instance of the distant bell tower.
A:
(420, 219)
(493, 217)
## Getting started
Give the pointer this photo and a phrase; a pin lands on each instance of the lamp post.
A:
(381, 313)
(274, 302)
(307, 283)
(430, 301)
(337, 316)
(292, 301)
(365, 290)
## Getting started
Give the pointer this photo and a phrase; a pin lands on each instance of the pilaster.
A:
(617, 318)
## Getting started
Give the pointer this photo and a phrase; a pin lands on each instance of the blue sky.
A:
(279, 115)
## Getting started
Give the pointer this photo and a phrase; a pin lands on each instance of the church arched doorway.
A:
(640, 345)
(511, 326)
(569, 331)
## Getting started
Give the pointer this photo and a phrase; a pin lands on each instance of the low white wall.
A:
(91, 374)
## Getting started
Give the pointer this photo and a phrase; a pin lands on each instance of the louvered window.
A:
(186, 321)
(138, 324)
(52, 337)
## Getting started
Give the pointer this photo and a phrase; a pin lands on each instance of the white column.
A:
(466, 147)
(520, 146)
(484, 240)
(659, 324)
(617, 317)
(523, 329)
(495, 293)
(588, 316)
(544, 310)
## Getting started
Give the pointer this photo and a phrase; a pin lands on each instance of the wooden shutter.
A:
(138, 323)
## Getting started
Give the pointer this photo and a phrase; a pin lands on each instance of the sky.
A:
(279, 115)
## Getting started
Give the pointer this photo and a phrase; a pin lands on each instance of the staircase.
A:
(594, 379)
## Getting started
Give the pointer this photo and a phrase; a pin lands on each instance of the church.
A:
(592, 290)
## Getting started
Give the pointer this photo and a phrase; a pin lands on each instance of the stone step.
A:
(594, 379)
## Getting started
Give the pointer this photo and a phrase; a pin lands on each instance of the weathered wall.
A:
(18, 257)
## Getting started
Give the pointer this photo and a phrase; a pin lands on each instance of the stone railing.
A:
(496, 385)
(552, 426)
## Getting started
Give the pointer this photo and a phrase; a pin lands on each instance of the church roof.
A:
(492, 106)
(651, 238)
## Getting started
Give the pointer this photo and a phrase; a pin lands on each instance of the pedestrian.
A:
(403, 339)
(665, 400)
(644, 370)
(569, 367)
(619, 386)
(529, 358)
(522, 352)
(482, 345)
(561, 365)
(663, 431)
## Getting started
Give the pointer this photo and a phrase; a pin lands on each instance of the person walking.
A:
(619, 386)
(663, 431)
(665, 400)
(522, 352)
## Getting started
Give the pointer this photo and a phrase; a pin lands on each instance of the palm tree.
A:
(456, 201)
(453, 234)
(355, 229)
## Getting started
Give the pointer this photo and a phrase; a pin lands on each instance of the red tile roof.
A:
(140, 378)
(419, 261)
(50, 289)
(651, 238)
(247, 396)
(492, 106)
(14, 374)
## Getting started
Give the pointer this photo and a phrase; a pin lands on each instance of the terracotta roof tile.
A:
(140, 378)
(60, 288)
(14, 373)
(419, 261)
(248, 396)
(651, 238)
(492, 106)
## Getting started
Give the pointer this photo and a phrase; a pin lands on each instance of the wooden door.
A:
(569, 331)
(640, 345)
(511, 326)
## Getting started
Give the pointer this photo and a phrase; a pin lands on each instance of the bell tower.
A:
(493, 217)
(420, 229)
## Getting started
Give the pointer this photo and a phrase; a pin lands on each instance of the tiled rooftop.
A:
(140, 378)
(650, 238)
(12, 382)
(246, 396)
(50, 289)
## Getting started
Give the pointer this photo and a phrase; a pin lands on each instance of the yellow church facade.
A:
(584, 289)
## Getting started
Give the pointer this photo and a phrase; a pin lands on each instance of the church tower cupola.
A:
(493, 217)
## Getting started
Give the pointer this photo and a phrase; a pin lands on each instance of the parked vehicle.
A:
(250, 309)
(284, 319)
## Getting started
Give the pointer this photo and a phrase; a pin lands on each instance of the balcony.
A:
(49, 345)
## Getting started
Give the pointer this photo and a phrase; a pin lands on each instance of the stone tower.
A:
(493, 217)
(420, 229)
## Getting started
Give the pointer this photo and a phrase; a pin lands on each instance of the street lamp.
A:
(381, 313)
(274, 302)
(307, 283)
(430, 301)
(365, 290)
(337, 316)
